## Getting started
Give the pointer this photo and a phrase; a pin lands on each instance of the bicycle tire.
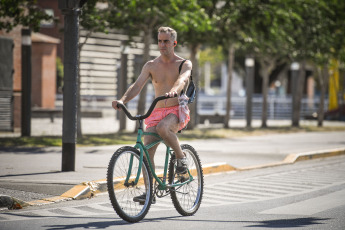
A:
(121, 195)
(187, 198)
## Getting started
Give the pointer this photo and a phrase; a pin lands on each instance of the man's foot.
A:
(181, 166)
(142, 198)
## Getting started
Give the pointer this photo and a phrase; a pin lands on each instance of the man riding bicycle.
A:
(165, 119)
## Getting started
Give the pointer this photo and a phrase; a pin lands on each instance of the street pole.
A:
(250, 64)
(26, 83)
(70, 10)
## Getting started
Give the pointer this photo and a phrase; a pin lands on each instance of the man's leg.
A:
(149, 139)
(167, 129)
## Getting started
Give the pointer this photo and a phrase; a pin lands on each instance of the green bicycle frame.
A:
(143, 150)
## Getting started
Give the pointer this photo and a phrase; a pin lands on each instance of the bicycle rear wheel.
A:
(187, 198)
(121, 194)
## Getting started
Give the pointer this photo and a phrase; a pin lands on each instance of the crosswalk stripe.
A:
(76, 211)
(234, 190)
(281, 185)
(308, 178)
(287, 183)
(101, 207)
(257, 188)
(220, 199)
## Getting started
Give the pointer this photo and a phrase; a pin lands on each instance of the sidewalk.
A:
(108, 124)
(34, 174)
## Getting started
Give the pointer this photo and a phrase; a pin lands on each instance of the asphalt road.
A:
(35, 173)
(305, 195)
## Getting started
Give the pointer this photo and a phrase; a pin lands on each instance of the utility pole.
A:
(26, 83)
(70, 9)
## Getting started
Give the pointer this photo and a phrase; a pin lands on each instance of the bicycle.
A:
(130, 175)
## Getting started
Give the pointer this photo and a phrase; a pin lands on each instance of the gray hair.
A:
(168, 30)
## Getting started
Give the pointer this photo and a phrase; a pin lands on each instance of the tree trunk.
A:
(231, 57)
(323, 77)
(299, 96)
(122, 86)
(265, 77)
(79, 114)
(267, 67)
(146, 57)
(194, 49)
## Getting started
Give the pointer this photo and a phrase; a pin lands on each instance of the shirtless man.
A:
(163, 71)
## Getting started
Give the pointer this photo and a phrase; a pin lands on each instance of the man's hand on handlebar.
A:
(171, 94)
(115, 105)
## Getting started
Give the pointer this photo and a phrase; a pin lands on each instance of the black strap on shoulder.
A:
(179, 70)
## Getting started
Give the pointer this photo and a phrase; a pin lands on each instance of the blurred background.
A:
(253, 60)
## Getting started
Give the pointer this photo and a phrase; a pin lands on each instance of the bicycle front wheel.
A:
(123, 193)
(187, 197)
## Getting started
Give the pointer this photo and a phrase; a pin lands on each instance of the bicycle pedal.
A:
(152, 202)
(183, 177)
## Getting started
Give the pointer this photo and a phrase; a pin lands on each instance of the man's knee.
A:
(162, 129)
(167, 125)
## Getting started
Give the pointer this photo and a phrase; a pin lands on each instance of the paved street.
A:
(35, 173)
(305, 195)
(263, 197)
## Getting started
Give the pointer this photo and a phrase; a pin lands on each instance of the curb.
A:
(295, 157)
(92, 188)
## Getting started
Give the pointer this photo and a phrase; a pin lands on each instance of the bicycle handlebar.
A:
(142, 117)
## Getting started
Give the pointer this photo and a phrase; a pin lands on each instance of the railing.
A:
(278, 107)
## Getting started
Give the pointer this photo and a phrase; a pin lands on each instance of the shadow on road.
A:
(31, 174)
(278, 223)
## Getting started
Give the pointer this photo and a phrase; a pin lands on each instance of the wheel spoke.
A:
(187, 197)
(121, 195)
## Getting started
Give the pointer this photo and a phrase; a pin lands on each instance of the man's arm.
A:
(135, 88)
(182, 80)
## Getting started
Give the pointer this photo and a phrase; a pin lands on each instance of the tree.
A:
(229, 27)
(21, 12)
(146, 16)
(318, 39)
(92, 19)
(268, 36)
(194, 25)
(329, 43)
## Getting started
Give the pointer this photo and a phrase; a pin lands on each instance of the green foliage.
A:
(93, 18)
(21, 12)
(212, 55)
(193, 22)
(59, 74)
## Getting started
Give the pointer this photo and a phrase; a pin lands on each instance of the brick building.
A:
(45, 49)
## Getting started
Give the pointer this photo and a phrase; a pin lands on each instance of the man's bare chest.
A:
(164, 74)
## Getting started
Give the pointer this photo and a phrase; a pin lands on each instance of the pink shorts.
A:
(159, 113)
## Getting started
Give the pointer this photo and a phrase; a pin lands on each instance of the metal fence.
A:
(278, 107)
